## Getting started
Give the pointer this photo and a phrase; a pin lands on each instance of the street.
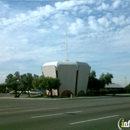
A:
(63, 114)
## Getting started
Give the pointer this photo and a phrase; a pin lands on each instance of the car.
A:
(13, 92)
(35, 92)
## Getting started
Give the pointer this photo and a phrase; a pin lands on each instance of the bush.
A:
(127, 88)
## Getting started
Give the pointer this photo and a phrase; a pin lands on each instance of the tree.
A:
(47, 83)
(3, 87)
(13, 81)
(93, 83)
(26, 81)
(106, 78)
(37, 82)
(9, 78)
(51, 83)
(20, 82)
(92, 75)
(127, 88)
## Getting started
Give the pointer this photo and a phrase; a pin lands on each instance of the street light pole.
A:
(125, 81)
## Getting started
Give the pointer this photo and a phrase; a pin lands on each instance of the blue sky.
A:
(33, 32)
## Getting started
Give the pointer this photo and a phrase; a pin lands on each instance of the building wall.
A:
(67, 76)
(83, 76)
(49, 71)
(73, 75)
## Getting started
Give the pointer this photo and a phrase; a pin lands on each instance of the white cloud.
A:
(4, 8)
(116, 4)
(97, 34)
(103, 6)
(55, 27)
(103, 22)
(85, 10)
(121, 20)
(45, 11)
(66, 5)
(42, 31)
(27, 19)
(77, 27)
(93, 23)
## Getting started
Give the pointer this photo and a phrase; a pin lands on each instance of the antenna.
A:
(66, 45)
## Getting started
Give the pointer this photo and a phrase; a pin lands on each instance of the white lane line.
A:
(58, 114)
(101, 118)
(74, 112)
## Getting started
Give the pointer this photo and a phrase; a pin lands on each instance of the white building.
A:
(73, 76)
(113, 86)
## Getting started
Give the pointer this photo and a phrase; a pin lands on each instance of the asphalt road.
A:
(63, 114)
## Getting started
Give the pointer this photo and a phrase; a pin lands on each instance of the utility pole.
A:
(125, 81)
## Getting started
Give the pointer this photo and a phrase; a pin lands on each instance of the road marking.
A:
(101, 118)
(58, 114)
(74, 112)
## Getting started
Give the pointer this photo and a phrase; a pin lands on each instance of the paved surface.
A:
(63, 114)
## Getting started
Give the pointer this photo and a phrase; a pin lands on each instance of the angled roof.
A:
(113, 85)
(57, 63)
